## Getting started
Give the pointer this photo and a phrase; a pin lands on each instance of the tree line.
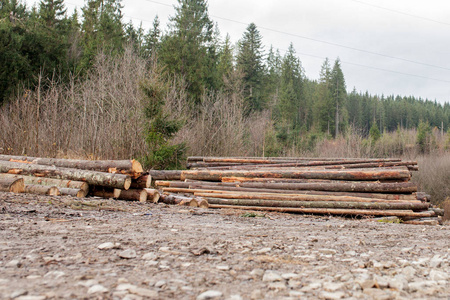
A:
(44, 41)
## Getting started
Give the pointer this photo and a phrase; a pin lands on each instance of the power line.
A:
(401, 12)
(321, 41)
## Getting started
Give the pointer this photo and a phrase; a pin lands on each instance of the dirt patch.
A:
(59, 247)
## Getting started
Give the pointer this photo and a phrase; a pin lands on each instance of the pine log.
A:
(365, 187)
(423, 197)
(353, 212)
(218, 159)
(153, 195)
(91, 177)
(381, 174)
(281, 160)
(51, 181)
(41, 189)
(13, 185)
(133, 195)
(446, 207)
(318, 204)
(165, 174)
(201, 202)
(161, 183)
(304, 192)
(142, 182)
(73, 192)
(112, 166)
(178, 200)
(104, 192)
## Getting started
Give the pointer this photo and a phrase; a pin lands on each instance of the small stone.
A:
(350, 253)
(125, 287)
(143, 292)
(18, 293)
(279, 286)
(160, 284)
(296, 294)
(235, 297)
(14, 264)
(128, 254)
(263, 250)
(288, 276)
(436, 261)
(98, 288)
(211, 294)
(257, 272)
(378, 294)
(54, 274)
(106, 246)
(436, 275)
(149, 256)
(332, 287)
(87, 283)
(132, 297)
(332, 295)
(223, 268)
(398, 283)
(367, 284)
(256, 295)
(272, 276)
(311, 286)
(30, 297)
(328, 251)
(382, 282)
(409, 272)
(294, 283)
(420, 285)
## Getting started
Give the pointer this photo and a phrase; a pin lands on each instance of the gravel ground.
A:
(59, 247)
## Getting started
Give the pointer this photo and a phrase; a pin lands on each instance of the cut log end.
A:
(13, 185)
(153, 195)
(127, 183)
(136, 167)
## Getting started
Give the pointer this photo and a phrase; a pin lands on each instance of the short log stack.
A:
(350, 187)
(120, 179)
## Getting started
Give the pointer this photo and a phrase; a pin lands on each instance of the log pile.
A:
(120, 179)
(350, 187)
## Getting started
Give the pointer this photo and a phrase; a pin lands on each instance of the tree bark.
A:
(153, 195)
(446, 207)
(91, 177)
(73, 192)
(131, 167)
(381, 174)
(51, 181)
(350, 212)
(104, 192)
(178, 200)
(165, 174)
(132, 195)
(13, 185)
(41, 190)
(318, 204)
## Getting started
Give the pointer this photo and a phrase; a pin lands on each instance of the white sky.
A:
(419, 31)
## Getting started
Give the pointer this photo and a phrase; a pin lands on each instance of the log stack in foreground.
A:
(351, 187)
(121, 179)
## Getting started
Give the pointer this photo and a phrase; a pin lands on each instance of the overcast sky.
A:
(386, 47)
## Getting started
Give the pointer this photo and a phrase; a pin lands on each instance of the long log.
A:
(73, 192)
(60, 183)
(104, 192)
(13, 185)
(153, 195)
(381, 174)
(91, 177)
(352, 212)
(269, 160)
(352, 194)
(165, 174)
(132, 195)
(112, 166)
(178, 200)
(318, 204)
(142, 182)
(446, 207)
(41, 189)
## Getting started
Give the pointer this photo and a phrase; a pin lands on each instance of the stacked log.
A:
(120, 179)
(344, 186)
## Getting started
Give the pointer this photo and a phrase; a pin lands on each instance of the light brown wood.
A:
(132, 195)
(91, 177)
(13, 185)
(153, 195)
(72, 192)
(178, 200)
(41, 189)
(165, 174)
(51, 181)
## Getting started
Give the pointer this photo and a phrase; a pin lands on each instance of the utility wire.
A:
(401, 12)
(321, 41)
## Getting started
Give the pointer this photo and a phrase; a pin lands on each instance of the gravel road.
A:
(63, 248)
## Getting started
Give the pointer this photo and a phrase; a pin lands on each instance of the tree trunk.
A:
(41, 190)
(178, 200)
(133, 195)
(73, 192)
(165, 174)
(91, 177)
(446, 206)
(13, 185)
(142, 182)
(318, 204)
(381, 174)
(51, 181)
(192, 159)
(104, 192)
(153, 195)
(350, 212)
(131, 167)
